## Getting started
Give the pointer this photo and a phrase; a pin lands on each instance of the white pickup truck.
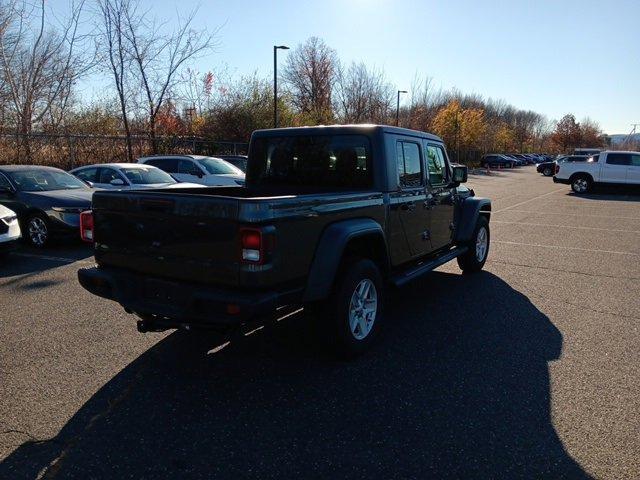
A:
(607, 167)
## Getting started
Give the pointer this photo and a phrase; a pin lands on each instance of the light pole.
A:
(398, 106)
(275, 82)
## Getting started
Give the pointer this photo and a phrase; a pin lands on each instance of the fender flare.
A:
(329, 251)
(470, 210)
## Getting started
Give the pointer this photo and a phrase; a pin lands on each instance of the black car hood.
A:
(59, 198)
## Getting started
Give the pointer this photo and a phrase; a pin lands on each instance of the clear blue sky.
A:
(551, 56)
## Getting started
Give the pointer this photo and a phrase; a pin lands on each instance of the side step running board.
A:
(403, 277)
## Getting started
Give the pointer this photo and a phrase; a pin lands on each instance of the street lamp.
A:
(275, 82)
(398, 106)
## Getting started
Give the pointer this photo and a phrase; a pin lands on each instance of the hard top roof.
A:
(368, 129)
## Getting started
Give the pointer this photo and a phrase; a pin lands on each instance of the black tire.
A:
(547, 172)
(36, 231)
(469, 262)
(581, 184)
(335, 311)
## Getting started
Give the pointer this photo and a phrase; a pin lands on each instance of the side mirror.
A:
(459, 175)
(117, 182)
(197, 173)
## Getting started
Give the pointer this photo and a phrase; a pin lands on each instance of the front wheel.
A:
(581, 184)
(37, 230)
(354, 312)
(474, 259)
(547, 172)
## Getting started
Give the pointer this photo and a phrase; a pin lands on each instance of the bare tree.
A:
(115, 57)
(363, 94)
(38, 65)
(158, 57)
(309, 73)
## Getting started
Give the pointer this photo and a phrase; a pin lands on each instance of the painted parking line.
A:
(559, 247)
(575, 227)
(530, 200)
(538, 212)
(53, 259)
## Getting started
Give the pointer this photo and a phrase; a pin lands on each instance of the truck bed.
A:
(192, 234)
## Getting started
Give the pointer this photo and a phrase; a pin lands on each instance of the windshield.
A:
(147, 175)
(45, 180)
(312, 161)
(217, 166)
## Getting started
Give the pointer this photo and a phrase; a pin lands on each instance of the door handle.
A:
(408, 206)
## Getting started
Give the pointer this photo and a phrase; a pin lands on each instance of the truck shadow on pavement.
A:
(457, 387)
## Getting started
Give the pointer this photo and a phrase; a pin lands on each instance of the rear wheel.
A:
(474, 259)
(547, 172)
(353, 313)
(581, 184)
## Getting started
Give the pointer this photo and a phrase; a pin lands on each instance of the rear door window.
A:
(618, 159)
(88, 174)
(108, 174)
(409, 164)
(188, 167)
(169, 165)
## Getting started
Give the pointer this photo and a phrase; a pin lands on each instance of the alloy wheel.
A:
(38, 232)
(481, 244)
(363, 309)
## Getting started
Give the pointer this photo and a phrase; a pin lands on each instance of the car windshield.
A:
(37, 180)
(147, 175)
(216, 166)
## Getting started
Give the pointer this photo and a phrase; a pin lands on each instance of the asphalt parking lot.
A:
(526, 370)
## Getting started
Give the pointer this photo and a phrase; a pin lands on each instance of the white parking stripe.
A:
(566, 248)
(530, 200)
(574, 214)
(53, 259)
(565, 226)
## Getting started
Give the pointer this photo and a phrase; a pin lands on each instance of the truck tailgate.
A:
(168, 235)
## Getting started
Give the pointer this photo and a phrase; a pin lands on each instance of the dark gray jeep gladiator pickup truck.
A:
(329, 218)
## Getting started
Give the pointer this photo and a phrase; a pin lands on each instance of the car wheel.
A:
(474, 259)
(547, 172)
(581, 184)
(37, 229)
(354, 312)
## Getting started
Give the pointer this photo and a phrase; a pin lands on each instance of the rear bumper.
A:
(175, 304)
(561, 180)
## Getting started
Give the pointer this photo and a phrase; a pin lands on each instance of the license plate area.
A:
(163, 292)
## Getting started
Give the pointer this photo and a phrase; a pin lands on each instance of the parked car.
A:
(239, 161)
(9, 230)
(495, 160)
(609, 167)
(547, 168)
(518, 162)
(126, 176)
(210, 171)
(329, 217)
(47, 200)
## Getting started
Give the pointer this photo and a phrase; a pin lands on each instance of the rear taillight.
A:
(256, 245)
(86, 226)
(557, 168)
(251, 245)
